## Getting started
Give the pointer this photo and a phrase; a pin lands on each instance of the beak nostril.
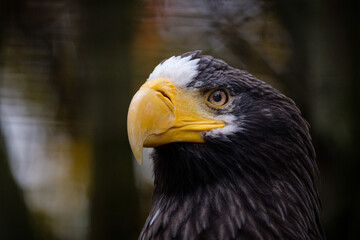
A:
(164, 95)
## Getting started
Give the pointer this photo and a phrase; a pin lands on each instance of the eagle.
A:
(232, 156)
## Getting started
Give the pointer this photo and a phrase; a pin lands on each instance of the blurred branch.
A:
(14, 215)
(229, 19)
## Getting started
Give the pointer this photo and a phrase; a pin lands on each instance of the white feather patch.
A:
(178, 70)
(231, 127)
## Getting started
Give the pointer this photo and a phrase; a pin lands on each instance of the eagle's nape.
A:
(252, 179)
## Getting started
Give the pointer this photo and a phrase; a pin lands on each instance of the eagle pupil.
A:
(217, 96)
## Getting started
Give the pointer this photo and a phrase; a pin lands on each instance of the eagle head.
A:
(232, 158)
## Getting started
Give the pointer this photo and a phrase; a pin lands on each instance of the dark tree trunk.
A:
(105, 57)
(14, 215)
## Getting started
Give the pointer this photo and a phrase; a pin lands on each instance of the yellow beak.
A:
(161, 113)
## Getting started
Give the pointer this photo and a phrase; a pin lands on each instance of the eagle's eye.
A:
(218, 98)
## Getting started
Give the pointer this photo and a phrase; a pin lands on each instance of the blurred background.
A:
(68, 70)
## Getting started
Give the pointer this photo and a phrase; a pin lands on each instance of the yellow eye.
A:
(218, 98)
